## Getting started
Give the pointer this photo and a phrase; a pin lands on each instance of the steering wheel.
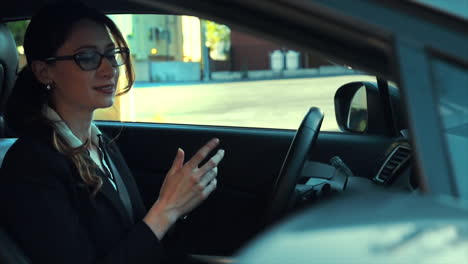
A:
(301, 145)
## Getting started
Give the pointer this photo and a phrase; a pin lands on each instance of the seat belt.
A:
(121, 188)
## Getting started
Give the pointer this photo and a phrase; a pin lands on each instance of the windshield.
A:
(455, 7)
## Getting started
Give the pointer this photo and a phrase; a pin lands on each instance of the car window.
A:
(18, 28)
(450, 81)
(192, 71)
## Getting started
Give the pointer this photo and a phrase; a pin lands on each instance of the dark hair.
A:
(46, 33)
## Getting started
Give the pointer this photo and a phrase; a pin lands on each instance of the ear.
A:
(42, 72)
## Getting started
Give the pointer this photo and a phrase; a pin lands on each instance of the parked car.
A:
(383, 181)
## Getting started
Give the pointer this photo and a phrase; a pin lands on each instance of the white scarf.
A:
(72, 140)
(66, 133)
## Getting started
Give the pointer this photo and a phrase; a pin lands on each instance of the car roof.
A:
(23, 9)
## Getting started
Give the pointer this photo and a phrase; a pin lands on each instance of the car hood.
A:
(368, 228)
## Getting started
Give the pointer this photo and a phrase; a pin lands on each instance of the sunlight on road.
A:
(268, 104)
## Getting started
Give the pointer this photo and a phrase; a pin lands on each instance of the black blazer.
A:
(47, 208)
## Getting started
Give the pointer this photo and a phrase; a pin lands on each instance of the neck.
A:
(79, 122)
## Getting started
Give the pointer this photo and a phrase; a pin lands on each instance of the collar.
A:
(64, 131)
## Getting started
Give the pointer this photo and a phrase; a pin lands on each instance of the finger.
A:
(178, 161)
(209, 189)
(198, 197)
(213, 162)
(203, 153)
(208, 177)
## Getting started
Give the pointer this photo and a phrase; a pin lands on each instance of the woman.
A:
(71, 197)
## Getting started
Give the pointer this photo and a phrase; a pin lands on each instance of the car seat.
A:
(9, 252)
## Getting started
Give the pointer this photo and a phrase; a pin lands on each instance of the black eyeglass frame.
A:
(124, 51)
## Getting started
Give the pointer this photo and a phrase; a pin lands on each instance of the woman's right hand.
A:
(184, 188)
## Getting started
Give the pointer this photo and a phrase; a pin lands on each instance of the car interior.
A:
(9, 253)
(267, 174)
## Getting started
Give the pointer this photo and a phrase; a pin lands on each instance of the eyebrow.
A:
(110, 45)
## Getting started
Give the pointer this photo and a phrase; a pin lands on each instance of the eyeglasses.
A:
(91, 60)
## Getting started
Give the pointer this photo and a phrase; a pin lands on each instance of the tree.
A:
(218, 39)
(18, 28)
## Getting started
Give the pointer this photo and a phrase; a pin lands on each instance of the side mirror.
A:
(357, 113)
(358, 108)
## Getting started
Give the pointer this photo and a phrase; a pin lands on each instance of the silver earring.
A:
(48, 87)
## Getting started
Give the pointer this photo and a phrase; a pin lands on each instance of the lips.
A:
(107, 89)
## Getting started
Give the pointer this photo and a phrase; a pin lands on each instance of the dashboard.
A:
(395, 172)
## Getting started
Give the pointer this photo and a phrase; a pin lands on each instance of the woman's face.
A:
(74, 89)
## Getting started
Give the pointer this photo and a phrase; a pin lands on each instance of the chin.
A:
(106, 104)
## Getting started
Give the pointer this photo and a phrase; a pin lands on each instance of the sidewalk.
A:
(237, 76)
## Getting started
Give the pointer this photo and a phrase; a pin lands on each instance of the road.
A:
(266, 103)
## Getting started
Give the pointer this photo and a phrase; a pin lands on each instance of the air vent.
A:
(394, 162)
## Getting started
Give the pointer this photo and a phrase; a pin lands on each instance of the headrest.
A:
(8, 64)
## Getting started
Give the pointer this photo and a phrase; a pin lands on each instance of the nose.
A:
(106, 69)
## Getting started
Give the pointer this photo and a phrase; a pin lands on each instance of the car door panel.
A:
(244, 179)
(246, 175)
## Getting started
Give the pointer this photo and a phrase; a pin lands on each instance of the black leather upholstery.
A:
(9, 252)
